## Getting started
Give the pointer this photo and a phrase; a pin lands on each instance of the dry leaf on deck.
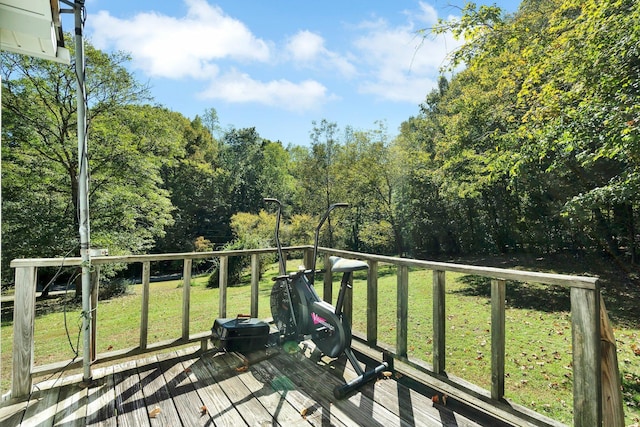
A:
(203, 410)
(435, 399)
(303, 412)
(242, 368)
(154, 412)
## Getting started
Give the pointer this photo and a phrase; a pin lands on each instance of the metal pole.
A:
(83, 191)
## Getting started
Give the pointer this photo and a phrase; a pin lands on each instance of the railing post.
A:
(95, 287)
(23, 324)
(307, 258)
(498, 305)
(223, 280)
(144, 314)
(255, 283)
(327, 290)
(402, 322)
(372, 303)
(186, 297)
(347, 307)
(439, 322)
(587, 380)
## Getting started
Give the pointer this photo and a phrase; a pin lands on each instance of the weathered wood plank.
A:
(129, 406)
(285, 390)
(255, 283)
(612, 405)
(11, 413)
(281, 411)
(587, 381)
(402, 313)
(290, 373)
(439, 322)
(498, 305)
(218, 405)
(23, 324)
(223, 280)
(372, 303)
(101, 410)
(72, 406)
(157, 399)
(144, 310)
(327, 282)
(320, 383)
(95, 285)
(186, 297)
(176, 373)
(242, 399)
(41, 410)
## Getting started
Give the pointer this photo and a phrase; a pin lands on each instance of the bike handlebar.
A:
(315, 239)
(282, 266)
(281, 262)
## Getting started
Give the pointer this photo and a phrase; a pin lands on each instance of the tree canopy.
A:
(530, 144)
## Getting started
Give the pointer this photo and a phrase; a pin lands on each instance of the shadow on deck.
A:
(264, 388)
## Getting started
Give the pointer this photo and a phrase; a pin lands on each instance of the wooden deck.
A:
(264, 388)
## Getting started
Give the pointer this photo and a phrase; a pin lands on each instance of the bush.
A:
(114, 288)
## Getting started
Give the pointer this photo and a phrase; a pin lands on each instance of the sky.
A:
(280, 65)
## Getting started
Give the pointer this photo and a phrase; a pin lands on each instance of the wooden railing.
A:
(585, 319)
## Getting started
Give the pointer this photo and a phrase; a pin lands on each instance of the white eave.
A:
(33, 27)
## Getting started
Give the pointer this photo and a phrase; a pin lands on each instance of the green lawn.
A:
(538, 353)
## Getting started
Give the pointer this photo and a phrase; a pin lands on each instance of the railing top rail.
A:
(492, 272)
(75, 261)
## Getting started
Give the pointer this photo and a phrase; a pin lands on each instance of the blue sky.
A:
(278, 65)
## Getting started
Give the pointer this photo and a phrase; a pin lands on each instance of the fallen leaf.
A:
(444, 399)
(435, 399)
(387, 374)
(154, 412)
(187, 370)
(203, 410)
(242, 368)
(303, 412)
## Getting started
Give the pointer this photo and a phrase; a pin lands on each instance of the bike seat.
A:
(342, 265)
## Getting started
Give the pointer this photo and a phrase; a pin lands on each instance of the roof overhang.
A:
(33, 27)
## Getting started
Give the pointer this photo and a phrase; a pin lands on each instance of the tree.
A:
(128, 143)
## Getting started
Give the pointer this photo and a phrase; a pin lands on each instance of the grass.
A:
(538, 354)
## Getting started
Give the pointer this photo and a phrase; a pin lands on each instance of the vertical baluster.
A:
(223, 280)
(498, 301)
(372, 303)
(144, 315)
(255, 283)
(95, 287)
(327, 291)
(186, 297)
(439, 322)
(402, 322)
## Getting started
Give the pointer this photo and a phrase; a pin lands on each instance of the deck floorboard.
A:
(265, 388)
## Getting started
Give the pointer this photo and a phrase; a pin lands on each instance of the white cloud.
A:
(308, 49)
(164, 46)
(240, 87)
(305, 46)
(403, 65)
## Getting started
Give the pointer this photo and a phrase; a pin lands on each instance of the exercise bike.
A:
(300, 314)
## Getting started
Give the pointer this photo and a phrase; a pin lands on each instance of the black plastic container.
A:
(243, 334)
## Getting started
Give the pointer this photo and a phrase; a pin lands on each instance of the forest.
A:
(529, 144)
